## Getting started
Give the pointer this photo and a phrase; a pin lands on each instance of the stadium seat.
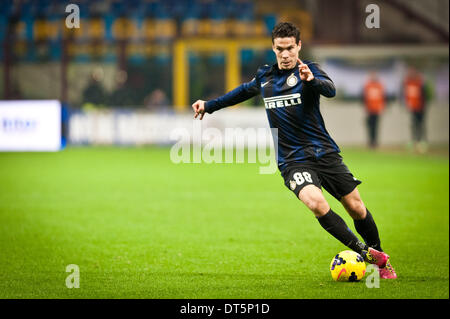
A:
(96, 28)
(165, 29)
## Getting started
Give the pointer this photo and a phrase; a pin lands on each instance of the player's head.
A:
(286, 44)
(373, 76)
(413, 72)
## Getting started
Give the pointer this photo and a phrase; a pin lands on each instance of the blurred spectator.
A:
(374, 102)
(94, 93)
(157, 101)
(123, 95)
(415, 97)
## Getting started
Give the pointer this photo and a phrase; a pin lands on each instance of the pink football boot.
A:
(387, 272)
(376, 257)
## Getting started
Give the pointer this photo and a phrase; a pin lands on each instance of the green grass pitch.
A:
(139, 226)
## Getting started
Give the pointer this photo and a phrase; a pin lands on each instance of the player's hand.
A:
(304, 71)
(199, 109)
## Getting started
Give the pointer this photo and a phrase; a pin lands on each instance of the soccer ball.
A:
(348, 266)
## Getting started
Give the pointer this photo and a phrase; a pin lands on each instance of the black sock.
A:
(368, 230)
(337, 227)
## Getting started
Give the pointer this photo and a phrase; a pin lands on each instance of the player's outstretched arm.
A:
(240, 94)
(199, 109)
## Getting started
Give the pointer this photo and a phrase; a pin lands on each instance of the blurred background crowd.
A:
(162, 55)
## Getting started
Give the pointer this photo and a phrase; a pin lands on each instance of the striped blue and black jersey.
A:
(292, 107)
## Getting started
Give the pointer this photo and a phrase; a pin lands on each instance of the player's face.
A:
(286, 50)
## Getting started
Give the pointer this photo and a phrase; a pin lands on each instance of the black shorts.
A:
(329, 171)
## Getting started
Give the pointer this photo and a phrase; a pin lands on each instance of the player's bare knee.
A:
(321, 209)
(313, 198)
(354, 205)
(356, 208)
(318, 206)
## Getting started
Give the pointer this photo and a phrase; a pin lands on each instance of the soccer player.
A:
(415, 97)
(374, 101)
(308, 158)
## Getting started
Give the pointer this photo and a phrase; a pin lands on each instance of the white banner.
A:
(345, 121)
(30, 125)
(139, 127)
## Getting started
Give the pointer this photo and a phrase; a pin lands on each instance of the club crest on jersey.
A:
(292, 185)
(282, 101)
(291, 80)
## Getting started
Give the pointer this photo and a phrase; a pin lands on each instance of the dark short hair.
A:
(286, 30)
